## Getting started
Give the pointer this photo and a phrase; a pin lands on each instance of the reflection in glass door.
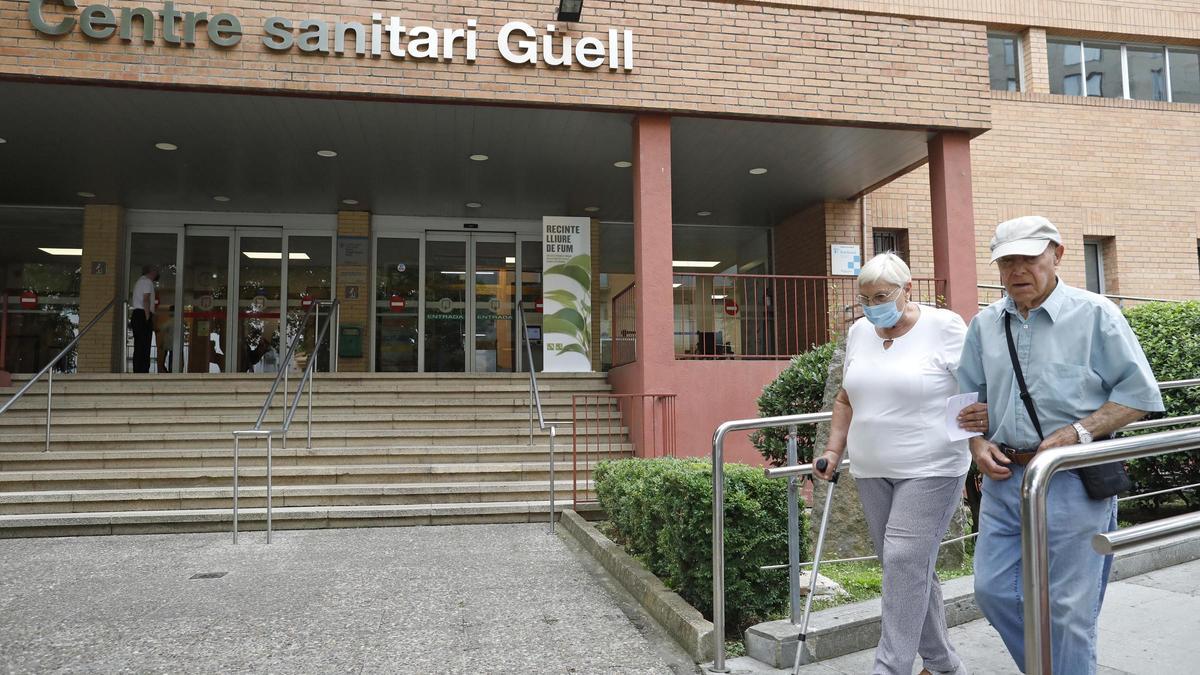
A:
(495, 299)
(206, 302)
(259, 281)
(445, 305)
(476, 271)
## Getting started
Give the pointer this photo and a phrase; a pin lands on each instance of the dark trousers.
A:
(142, 327)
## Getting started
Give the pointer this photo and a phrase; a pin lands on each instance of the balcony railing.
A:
(749, 316)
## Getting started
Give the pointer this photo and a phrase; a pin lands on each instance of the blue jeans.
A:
(1078, 575)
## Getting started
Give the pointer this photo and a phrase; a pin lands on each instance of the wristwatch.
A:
(1085, 436)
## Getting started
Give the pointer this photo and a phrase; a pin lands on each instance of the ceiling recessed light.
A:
(695, 263)
(2, 141)
(622, 164)
(479, 158)
(351, 202)
(61, 251)
(86, 195)
(220, 198)
(166, 146)
(719, 297)
(676, 285)
(510, 260)
(592, 209)
(704, 214)
(327, 153)
(757, 172)
(473, 205)
(273, 255)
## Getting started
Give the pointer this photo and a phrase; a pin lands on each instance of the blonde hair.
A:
(887, 268)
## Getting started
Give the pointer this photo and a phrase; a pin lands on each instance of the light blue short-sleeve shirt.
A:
(1077, 353)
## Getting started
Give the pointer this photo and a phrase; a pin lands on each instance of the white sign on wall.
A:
(845, 260)
(567, 294)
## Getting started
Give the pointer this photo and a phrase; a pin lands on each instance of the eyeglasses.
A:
(879, 298)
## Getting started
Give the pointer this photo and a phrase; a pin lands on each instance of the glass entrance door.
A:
(232, 287)
(470, 299)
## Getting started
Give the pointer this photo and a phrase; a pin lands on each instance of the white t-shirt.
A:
(898, 395)
(140, 289)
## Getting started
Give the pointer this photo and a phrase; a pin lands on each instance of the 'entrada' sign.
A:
(518, 42)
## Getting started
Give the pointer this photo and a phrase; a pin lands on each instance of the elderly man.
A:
(1086, 376)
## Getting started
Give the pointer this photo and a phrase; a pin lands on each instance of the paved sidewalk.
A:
(1150, 624)
(454, 599)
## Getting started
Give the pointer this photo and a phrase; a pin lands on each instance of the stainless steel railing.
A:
(800, 470)
(1119, 300)
(535, 403)
(1034, 528)
(309, 370)
(718, 536)
(48, 370)
(320, 334)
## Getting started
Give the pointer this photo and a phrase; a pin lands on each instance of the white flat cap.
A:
(1027, 235)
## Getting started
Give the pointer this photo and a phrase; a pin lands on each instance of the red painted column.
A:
(652, 247)
(954, 220)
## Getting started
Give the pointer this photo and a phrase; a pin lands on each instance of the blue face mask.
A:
(885, 315)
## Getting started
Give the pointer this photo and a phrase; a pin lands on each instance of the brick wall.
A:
(355, 311)
(1097, 168)
(691, 56)
(1174, 18)
(103, 242)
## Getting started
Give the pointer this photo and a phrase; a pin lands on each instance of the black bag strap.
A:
(1012, 354)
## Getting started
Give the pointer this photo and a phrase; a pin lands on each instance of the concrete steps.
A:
(155, 454)
(286, 518)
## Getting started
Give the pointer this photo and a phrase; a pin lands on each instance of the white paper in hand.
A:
(954, 405)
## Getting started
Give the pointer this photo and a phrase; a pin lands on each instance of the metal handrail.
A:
(1034, 530)
(282, 373)
(307, 378)
(718, 536)
(535, 400)
(1133, 538)
(288, 414)
(49, 368)
(718, 452)
(1110, 296)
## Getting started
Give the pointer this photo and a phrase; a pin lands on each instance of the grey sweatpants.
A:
(907, 519)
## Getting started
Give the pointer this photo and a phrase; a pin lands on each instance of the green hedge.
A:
(662, 509)
(800, 388)
(1170, 335)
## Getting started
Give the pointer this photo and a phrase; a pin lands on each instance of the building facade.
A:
(733, 159)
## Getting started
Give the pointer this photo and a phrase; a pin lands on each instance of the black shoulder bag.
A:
(1102, 480)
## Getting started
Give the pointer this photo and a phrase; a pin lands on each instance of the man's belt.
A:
(1019, 456)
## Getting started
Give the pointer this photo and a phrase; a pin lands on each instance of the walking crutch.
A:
(821, 465)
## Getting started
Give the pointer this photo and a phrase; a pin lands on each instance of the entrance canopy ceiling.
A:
(261, 153)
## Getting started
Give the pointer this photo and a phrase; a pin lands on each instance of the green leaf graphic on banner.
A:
(564, 298)
(572, 348)
(578, 268)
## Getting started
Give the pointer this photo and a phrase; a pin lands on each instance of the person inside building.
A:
(889, 416)
(141, 319)
(165, 332)
(1085, 376)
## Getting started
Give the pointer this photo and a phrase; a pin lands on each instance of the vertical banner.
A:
(567, 294)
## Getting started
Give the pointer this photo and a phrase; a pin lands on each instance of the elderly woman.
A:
(889, 414)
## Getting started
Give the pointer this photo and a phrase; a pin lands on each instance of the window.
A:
(1185, 75)
(1102, 70)
(1147, 73)
(895, 241)
(1065, 74)
(1004, 62)
(1093, 264)
(1140, 72)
